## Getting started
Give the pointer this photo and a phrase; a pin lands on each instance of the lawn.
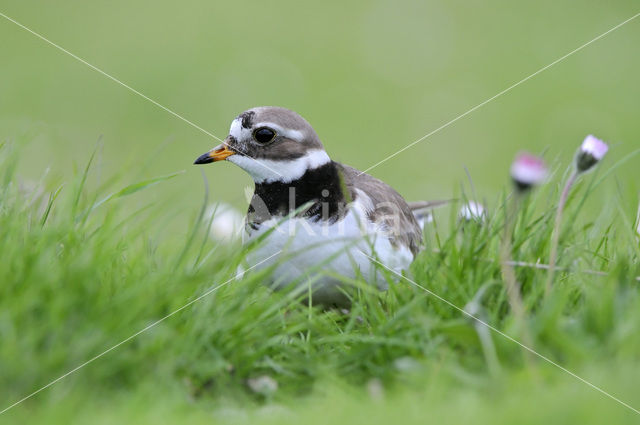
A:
(108, 270)
(82, 273)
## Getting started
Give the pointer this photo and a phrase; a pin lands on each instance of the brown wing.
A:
(387, 207)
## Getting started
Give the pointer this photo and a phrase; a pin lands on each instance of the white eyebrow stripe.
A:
(237, 131)
(286, 132)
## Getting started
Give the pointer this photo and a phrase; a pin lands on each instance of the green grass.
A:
(84, 267)
(88, 258)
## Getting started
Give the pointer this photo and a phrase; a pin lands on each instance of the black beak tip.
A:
(205, 158)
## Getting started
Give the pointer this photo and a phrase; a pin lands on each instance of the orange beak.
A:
(218, 153)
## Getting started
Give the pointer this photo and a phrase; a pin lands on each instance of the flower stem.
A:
(508, 274)
(553, 256)
(509, 277)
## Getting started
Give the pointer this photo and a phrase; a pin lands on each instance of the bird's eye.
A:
(264, 135)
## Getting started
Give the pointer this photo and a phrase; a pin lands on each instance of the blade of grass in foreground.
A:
(52, 198)
(136, 187)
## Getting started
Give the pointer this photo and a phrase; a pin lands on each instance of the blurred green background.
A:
(371, 77)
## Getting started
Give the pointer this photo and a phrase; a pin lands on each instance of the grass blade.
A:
(52, 198)
(136, 187)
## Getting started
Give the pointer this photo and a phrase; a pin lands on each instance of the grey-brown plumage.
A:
(389, 207)
(317, 211)
(295, 138)
(343, 185)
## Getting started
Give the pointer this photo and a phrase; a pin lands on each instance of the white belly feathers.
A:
(314, 251)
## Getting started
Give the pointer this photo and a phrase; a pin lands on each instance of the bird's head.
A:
(271, 144)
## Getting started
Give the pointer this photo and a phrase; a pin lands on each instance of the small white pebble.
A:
(406, 364)
(263, 385)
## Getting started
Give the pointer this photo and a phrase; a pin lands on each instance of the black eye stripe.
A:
(263, 135)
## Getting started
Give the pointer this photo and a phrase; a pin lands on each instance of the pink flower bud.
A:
(591, 151)
(528, 170)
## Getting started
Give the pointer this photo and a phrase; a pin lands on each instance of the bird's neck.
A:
(319, 194)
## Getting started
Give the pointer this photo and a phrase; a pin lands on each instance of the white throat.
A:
(285, 171)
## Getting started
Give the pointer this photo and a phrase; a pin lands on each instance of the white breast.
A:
(317, 251)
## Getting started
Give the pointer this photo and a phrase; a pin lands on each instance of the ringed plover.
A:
(328, 218)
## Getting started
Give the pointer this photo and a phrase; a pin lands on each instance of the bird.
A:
(328, 222)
